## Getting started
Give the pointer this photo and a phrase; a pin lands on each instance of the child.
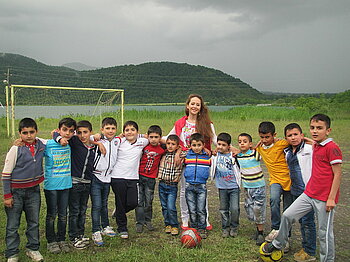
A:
(321, 193)
(196, 174)
(299, 160)
(82, 158)
(272, 153)
(148, 172)
(101, 179)
(58, 181)
(228, 181)
(21, 176)
(169, 176)
(254, 185)
(125, 175)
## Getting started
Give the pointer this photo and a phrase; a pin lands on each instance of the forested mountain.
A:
(153, 82)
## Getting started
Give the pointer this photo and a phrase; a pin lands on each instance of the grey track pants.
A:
(300, 207)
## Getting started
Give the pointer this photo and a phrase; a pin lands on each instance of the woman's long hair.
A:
(203, 119)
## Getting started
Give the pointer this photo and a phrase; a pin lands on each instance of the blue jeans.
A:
(308, 231)
(276, 192)
(25, 200)
(196, 198)
(143, 210)
(78, 199)
(167, 196)
(99, 198)
(229, 207)
(56, 203)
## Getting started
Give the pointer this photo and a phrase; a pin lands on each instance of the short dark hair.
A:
(109, 121)
(155, 129)
(68, 122)
(27, 122)
(292, 126)
(197, 137)
(174, 138)
(322, 117)
(267, 127)
(131, 123)
(84, 123)
(246, 135)
(224, 137)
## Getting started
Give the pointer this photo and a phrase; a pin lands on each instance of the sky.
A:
(294, 46)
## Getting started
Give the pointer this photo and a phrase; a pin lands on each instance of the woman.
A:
(197, 120)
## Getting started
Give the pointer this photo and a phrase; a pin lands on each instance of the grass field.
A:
(157, 246)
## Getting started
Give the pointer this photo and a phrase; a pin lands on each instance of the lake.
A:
(58, 111)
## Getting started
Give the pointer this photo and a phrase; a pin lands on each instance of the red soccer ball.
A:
(190, 238)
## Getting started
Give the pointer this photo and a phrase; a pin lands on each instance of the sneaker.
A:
(259, 240)
(209, 227)
(34, 255)
(139, 228)
(168, 229)
(124, 235)
(85, 239)
(302, 256)
(108, 231)
(53, 248)
(78, 243)
(64, 246)
(149, 226)
(271, 236)
(233, 232)
(13, 258)
(174, 231)
(225, 233)
(97, 238)
(287, 247)
(268, 248)
(203, 233)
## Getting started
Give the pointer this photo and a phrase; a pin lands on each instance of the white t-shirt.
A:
(128, 161)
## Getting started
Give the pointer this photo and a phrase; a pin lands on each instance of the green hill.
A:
(152, 82)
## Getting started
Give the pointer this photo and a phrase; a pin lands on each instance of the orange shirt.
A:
(276, 164)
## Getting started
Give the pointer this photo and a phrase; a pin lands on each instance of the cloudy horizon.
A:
(279, 46)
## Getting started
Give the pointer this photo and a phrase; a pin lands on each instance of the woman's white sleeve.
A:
(214, 138)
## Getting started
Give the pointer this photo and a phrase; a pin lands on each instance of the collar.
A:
(325, 142)
(31, 144)
(267, 147)
(299, 147)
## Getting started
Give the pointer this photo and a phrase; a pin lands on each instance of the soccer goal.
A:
(55, 102)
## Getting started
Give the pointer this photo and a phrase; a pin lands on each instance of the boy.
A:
(21, 176)
(254, 185)
(196, 174)
(228, 181)
(82, 158)
(299, 160)
(272, 152)
(58, 181)
(169, 176)
(148, 171)
(321, 193)
(101, 179)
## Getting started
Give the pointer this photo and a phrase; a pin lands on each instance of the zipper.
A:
(195, 169)
(109, 157)
(85, 164)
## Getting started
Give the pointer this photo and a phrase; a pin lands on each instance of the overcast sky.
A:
(287, 46)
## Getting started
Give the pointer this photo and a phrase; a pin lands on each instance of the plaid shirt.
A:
(168, 171)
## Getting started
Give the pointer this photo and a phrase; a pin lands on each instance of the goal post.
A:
(60, 101)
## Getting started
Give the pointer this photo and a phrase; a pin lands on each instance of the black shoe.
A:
(268, 248)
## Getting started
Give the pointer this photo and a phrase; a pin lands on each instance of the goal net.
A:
(54, 102)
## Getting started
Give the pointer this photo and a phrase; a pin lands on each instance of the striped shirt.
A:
(168, 170)
(252, 175)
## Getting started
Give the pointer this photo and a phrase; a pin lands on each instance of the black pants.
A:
(125, 192)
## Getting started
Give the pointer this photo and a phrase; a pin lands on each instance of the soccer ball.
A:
(190, 238)
(276, 255)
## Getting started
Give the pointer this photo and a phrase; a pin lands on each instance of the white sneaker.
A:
(34, 255)
(97, 238)
(270, 237)
(85, 239)
(13, 258)
(108, 231)
(124, 235)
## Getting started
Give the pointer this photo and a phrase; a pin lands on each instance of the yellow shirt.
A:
(276, 164)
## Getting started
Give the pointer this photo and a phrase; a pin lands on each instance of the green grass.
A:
(157, 246)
